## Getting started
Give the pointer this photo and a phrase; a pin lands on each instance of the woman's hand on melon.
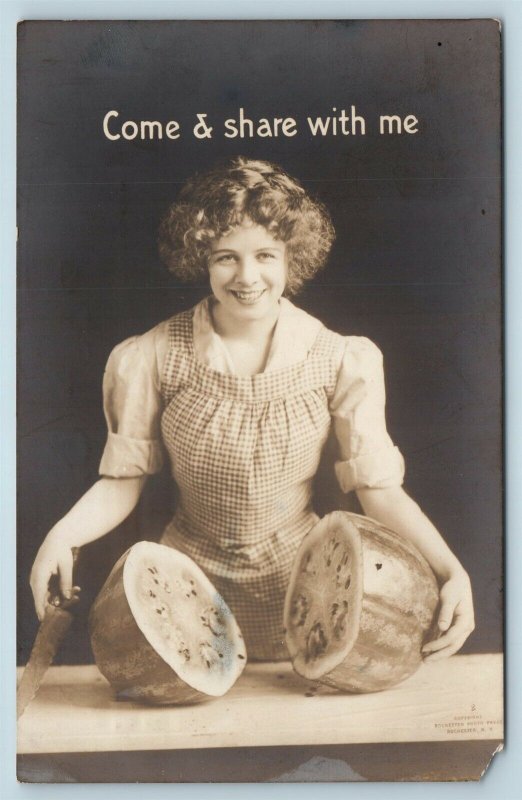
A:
(54, 557)
(455, 618)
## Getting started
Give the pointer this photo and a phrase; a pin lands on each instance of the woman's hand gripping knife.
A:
(394, 508)
(98, 511)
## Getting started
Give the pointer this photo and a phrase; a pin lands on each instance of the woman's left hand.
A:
(456, 618)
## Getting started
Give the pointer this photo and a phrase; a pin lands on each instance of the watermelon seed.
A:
(348, 582)
(339, 618)
(185, 652)
(300, 610)
(221, 655)
(151, 593)
(305, 566)
(194, 593)
(316, 643)
(240, 656)
(378, 566)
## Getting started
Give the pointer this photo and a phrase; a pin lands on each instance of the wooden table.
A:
(452, 700)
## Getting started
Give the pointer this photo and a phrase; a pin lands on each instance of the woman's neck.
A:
(249, 331)
(248, 342)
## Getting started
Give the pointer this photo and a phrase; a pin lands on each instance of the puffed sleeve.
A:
(369, 459)
(132, 405)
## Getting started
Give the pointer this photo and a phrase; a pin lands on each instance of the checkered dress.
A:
(244, 451)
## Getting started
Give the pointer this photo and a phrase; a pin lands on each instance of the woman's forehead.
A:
(247, 234)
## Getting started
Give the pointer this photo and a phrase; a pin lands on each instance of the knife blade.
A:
(55, 624)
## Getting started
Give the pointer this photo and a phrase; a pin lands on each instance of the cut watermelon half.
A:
(160, 631)
(360, 603)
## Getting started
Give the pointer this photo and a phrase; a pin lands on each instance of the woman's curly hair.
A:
(212, 204)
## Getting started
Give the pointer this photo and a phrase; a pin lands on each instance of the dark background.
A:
(416, 264)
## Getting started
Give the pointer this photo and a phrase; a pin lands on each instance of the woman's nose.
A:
(247, 271)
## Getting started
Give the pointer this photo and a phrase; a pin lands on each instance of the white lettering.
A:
(146, 126)
(230, 125)
(244, 122)
(144, 129)
(129, 125)
(248, 128)
(172, 129)
(289, 126)
(390, 120)
(410, 123)
(108, 134)
(263, 128)
(356, 119)
(319, 125)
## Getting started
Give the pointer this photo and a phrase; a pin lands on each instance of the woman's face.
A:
(248, 272)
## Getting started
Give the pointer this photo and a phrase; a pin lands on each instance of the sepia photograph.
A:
(259, 403)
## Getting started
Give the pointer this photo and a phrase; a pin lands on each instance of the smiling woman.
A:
(247, 271)
(211, 205)
(242, 391)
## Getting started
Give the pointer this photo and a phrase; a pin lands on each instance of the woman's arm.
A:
(395, 509)
(107, 503)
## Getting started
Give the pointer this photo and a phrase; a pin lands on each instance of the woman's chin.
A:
(251, 306)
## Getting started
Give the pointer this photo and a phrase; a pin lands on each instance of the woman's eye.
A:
(225, 258)
(266, 256)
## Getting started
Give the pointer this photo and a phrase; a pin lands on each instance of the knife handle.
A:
(56, 597)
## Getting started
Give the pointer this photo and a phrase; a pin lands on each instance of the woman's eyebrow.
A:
(257, 250)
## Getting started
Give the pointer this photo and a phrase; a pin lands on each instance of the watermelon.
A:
(161, 633)
(361, 602)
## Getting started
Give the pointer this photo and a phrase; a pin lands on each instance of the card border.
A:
(502, 778)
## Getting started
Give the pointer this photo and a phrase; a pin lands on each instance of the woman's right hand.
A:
(55, 557)
(97, 512)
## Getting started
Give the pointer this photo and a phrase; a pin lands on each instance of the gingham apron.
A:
(244, 451)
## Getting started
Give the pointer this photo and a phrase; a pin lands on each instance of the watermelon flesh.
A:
(360, 604)
(161, 633)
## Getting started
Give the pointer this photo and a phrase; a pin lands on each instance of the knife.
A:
(55, 624)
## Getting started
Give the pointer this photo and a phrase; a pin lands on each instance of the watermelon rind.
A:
(146, 647)
(393, 598)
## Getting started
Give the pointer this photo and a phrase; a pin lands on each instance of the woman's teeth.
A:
(248, 297)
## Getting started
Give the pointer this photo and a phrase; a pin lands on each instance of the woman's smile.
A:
(247, 272)
(249, 297)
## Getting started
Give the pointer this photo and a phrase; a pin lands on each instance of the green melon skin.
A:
(390, 605)
(128, 659)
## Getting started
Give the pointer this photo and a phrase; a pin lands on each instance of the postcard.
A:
(260, 471)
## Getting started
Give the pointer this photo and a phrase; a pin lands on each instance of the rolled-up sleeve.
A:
(132, 405)
(368, 457)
